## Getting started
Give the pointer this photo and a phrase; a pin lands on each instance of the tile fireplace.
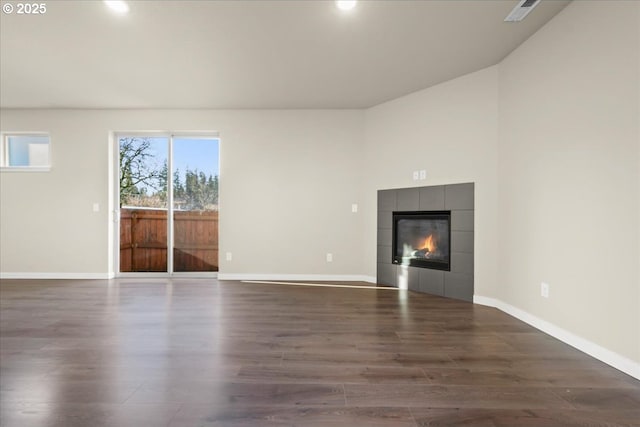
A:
(426, 239)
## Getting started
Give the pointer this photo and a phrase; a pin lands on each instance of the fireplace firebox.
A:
(422, 239)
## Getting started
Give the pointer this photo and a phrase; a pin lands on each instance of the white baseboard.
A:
(221, 276)
(609, 357)
(57, 276)
(298, 277)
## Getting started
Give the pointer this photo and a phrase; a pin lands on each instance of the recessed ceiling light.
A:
(346, 4)
(118, 6)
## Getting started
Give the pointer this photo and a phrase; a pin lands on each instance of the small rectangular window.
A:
(26, 151)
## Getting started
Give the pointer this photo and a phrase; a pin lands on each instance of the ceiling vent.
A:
(521, 10)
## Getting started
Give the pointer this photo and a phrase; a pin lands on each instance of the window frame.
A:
(4, 152)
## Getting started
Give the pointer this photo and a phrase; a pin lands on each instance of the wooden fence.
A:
(143, 240)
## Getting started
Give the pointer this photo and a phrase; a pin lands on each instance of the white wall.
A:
(569, 174)
(288, 179)
(449, 130)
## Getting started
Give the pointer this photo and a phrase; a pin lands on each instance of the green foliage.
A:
(198, 193)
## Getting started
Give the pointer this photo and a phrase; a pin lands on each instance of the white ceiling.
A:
(250, 54)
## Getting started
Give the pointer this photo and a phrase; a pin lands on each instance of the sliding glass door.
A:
(168, 203)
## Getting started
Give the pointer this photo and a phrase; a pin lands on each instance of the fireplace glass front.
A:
(422, 239)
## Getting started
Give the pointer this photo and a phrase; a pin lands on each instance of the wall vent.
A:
(521, 10)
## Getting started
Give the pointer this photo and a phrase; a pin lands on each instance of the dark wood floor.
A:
(207, 353)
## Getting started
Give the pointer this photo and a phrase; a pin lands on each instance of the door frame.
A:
(115, 185)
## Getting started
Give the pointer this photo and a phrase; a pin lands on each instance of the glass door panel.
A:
(143, 203)
(195, 173)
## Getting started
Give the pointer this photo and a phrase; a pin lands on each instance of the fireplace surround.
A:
(455, 282)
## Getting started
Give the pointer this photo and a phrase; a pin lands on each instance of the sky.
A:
(201, 154)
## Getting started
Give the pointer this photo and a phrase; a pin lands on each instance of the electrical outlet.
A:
(423, 174)
(229, 256)
(544, 290)
(354, 207)
(329, 257)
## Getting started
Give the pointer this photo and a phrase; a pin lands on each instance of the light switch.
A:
(96, 207)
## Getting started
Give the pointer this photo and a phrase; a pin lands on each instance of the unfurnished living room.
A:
(320, 213)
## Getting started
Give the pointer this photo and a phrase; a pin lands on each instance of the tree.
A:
(200, 192)
(178, 187)
(163, 182)
(137, 173)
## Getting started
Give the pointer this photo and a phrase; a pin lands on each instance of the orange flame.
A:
(429, 243)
